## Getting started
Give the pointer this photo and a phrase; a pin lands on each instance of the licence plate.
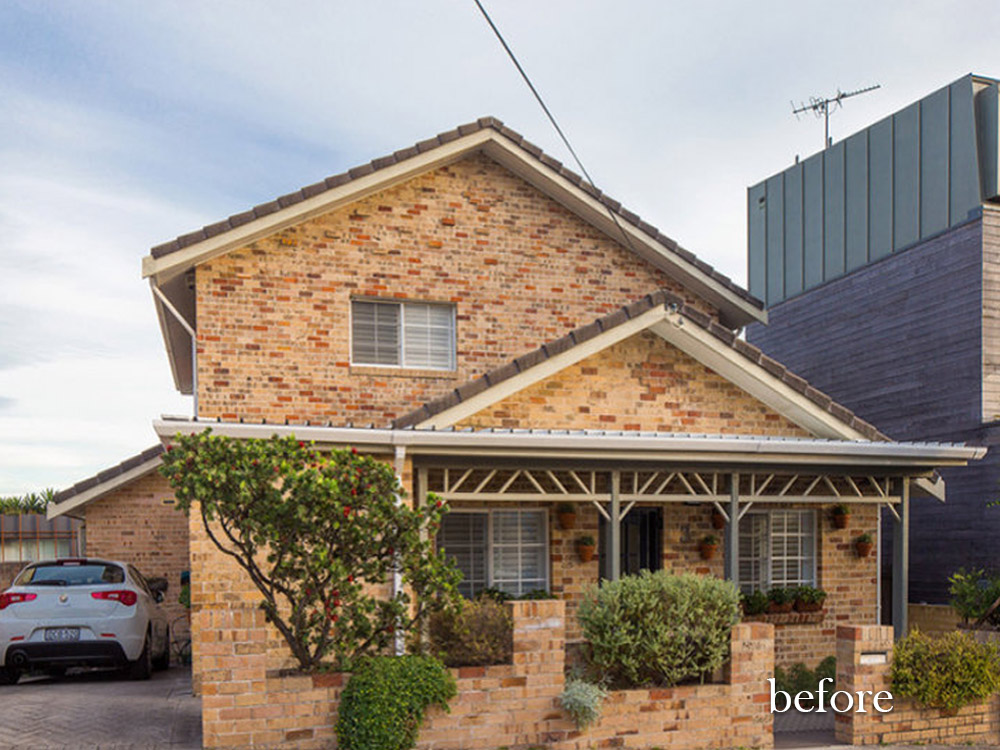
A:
(62, 634)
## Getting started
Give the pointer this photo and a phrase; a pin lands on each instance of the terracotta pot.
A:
(780, 609)
(840, 520)
(863, 548)
(718, 521)
(586, 552)
(567, 521)
(707, 551)
(808, 607)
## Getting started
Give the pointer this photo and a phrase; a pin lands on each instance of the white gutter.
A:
(596, 445)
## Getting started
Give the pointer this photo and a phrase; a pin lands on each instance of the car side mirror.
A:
(158, 585)
(158, 596)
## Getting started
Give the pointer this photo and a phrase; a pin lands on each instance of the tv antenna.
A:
(821, 107)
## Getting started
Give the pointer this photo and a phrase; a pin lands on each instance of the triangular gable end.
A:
(721, 384)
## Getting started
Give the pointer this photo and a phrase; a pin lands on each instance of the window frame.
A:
(767, 579)
(490, 548)
(402, 304)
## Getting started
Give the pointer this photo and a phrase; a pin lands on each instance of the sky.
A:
(125, 124)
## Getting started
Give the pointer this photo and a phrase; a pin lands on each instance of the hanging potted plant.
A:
(567, 515)
(585, 548)
(718, 520)
(707, 546)
(841, 515)
(863, 545)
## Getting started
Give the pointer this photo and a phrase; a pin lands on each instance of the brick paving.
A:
(102, 711)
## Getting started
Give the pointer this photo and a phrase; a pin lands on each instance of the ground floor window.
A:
(777, 549)
(641, 542)
(505, 549)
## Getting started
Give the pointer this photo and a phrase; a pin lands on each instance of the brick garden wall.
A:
(908, 722)
(273, 318)
(499, 706)
(139, 524)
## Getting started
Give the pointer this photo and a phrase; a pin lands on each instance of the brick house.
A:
(512, 339)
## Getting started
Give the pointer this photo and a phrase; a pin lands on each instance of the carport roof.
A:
(105, 481)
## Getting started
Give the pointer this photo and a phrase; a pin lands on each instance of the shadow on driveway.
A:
(100, 709)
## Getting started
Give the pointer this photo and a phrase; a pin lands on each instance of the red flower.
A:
(332, 618)
(354, 491)
(350, 579)
(347, 511)
(438, 504)
(302, 445)
(169, 448)
(336, 602)
(353, 450)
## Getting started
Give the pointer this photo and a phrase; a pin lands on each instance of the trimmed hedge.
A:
(658, 628)
(383, 704)
(947, 672)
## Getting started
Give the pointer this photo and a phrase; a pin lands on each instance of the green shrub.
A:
(799, 677)
(384, 702)
(582, 700)
(755, 603)
(475, 633)
(972, 593)
(946, 672)
(809, 595)
(779, 595)
(657, 628)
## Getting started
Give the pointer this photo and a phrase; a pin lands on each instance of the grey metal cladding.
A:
(833, 211)
(774, 229)
(793, 230)
(880, 189)
(964, 185)
(903, 179)
(987, 116)
(934, 146)
(906, 177)
(856, 201)
(757, 258)
(812, 220)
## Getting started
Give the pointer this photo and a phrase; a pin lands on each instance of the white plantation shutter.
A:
(375, 333)
(753, 552)
(519, 550)
(428, 336)
(463, 537)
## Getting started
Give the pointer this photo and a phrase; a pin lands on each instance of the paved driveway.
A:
(101, 710)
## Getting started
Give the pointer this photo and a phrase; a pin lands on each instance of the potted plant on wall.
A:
(585, 548)
(755, 603)
(863, 545)
(781, 601)
(841, 515)
(718, 520)
(567, 515)
(809, 599)
(707, 546)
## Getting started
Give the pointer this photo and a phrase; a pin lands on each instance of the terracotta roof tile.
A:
(108, 474)
(482, 123)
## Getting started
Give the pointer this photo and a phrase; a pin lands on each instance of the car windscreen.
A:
(84, 574)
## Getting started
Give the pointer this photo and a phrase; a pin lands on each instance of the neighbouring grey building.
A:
(879, 260)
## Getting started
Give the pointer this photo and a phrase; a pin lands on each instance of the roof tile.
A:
(560, 345)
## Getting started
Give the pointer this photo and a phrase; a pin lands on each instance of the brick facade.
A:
(908, 722)
(139, 524)
(273, 318)
(250, 704)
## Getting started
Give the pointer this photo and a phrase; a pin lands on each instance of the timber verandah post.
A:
(733, 532)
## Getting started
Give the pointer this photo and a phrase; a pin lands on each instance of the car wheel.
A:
(142, 668)
(9, 676)
(163, 660)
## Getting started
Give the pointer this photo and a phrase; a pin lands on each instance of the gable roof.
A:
(685, 327)
(105, 481)
(167, 264)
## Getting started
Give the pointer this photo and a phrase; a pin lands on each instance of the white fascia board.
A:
(543, 370)
(754, 379)
(177, 262)
(99, 490)
(597, 446)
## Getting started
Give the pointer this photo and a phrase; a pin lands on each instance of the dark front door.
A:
(642, 542)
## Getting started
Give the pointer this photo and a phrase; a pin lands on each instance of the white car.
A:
(81, 612)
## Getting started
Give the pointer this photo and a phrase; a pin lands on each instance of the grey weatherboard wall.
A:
(902, 180)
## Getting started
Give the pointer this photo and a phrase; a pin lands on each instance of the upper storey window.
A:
(418, 335)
